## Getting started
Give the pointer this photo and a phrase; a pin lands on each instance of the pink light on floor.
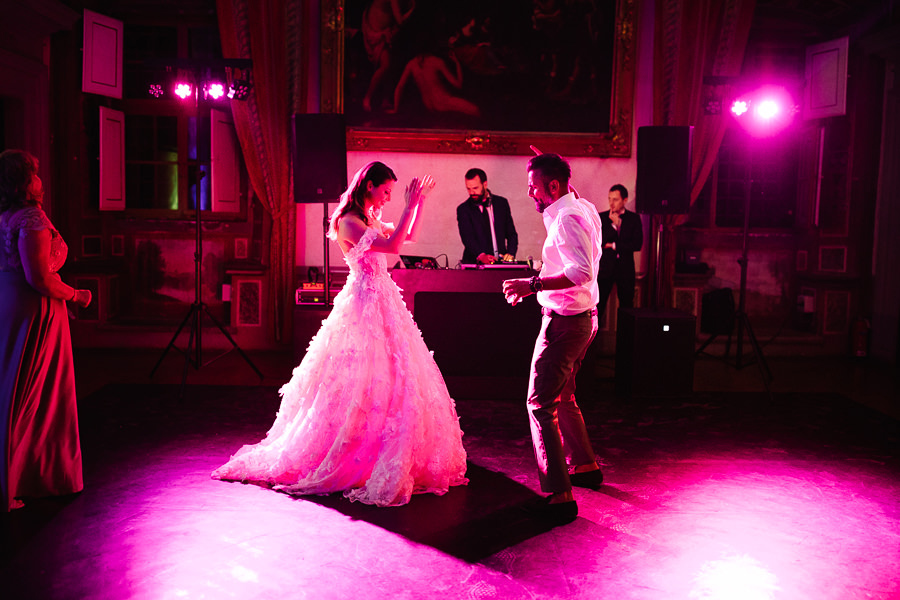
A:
(734, 578)
(769, 528)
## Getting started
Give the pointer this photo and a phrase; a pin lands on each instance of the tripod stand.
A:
(740, 315)
(196, 311)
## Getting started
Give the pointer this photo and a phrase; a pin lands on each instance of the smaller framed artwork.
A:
(833, 259)
(91, 245)
(249, 305)
(240, 247)
(837, 312)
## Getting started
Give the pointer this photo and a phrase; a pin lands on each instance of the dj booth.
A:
(482, 345)
(479, 341)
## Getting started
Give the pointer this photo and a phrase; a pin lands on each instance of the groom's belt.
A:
(551, 313)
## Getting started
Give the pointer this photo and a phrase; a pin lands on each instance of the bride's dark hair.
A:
(354, 199)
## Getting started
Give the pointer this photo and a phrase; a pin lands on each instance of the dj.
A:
(485, 224)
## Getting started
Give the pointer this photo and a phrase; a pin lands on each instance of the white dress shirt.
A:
(573, 246)
(490, 211)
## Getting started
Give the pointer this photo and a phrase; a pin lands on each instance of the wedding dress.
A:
(367, 411)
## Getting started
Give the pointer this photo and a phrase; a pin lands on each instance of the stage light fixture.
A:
(767, 109)
(183, 90)
(712, 107)
(764, 112)
(239, 90)
(156, 90)
(215, 90)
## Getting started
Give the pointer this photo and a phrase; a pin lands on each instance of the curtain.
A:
(699, 45)
(263, 31)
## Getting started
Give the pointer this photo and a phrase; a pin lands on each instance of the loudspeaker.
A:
(717, 312)
(663, 170)
(654, 353)
(320, 157)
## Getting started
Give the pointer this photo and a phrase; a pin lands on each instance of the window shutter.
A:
(226, 180)
(112, 159)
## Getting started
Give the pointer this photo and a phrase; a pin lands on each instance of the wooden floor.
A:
(729, 493)
(865, 381)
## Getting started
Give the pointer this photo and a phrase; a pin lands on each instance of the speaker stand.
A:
(743, 319)
(743, 323)
(660, 240)
(326, 223)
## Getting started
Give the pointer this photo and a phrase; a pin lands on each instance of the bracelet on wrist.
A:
(536, 284)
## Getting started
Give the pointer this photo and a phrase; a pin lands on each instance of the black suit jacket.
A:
(476, 236)
(628, 239)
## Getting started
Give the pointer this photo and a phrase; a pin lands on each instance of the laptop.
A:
(418, 262)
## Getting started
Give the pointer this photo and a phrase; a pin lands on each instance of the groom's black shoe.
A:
(558, 513)
(588, 479)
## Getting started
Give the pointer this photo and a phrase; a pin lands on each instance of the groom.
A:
(567, 291)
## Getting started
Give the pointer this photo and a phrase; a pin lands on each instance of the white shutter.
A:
(826, 79)
(226, 180)
(112, 159)
(101, 66)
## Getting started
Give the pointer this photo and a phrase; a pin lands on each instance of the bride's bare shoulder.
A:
(350, 230)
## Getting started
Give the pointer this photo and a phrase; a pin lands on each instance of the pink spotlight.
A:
(767, 109)
(215, 90)
(183, 90)
(739, 107)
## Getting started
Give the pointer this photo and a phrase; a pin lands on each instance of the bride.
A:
(366, 412)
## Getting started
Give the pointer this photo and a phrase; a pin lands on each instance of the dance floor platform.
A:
(737, 496)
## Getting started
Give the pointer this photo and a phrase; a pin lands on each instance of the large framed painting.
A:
(482, 76)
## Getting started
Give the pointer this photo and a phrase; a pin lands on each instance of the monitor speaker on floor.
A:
(655, 353)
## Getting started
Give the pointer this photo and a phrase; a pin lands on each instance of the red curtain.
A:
(261, 31)
(698, 45)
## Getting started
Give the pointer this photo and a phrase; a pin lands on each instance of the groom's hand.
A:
(516, 289)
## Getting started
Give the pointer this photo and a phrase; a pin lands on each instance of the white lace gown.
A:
(367, 411)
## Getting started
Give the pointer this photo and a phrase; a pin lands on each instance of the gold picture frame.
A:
(613, 140)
